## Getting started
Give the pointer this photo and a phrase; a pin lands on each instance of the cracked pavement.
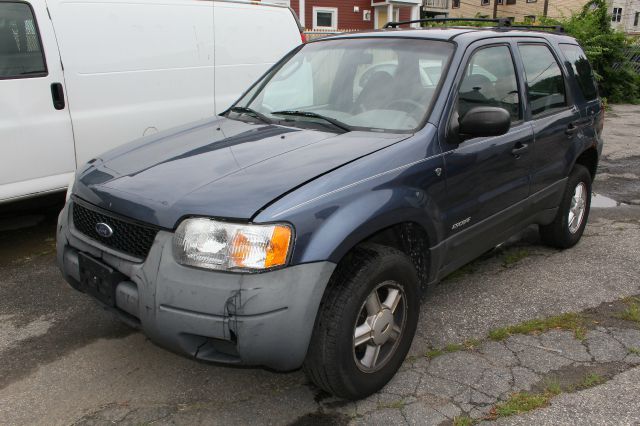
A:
(65, 361)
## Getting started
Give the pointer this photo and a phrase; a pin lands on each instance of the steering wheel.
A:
(414, 108)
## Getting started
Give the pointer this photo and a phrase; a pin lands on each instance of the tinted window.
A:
(490, 80)
(545, 84)
(581, 70)
(20, 51)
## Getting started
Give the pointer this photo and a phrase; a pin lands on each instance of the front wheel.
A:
(365, 323)
(567, 228)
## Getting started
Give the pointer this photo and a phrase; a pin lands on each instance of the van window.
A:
(490, 80)
(545, 83)
(20, 51)
(581, 69)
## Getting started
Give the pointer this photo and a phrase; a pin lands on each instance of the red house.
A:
(332, 15)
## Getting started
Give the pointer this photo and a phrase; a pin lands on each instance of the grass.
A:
(521, 402)
(591, 380)
(452, 347)
(632, 313)
(463, 421)
(634, 351)
(568, 321)
(514, 256)
(393, 404)
(461, 272)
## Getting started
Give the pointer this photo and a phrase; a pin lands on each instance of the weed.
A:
(393, 404)
(463, 421)
(461, 272)
(453, 347)
(632, 313)
(634, 351)
(554, 388)
(568, 321)
(432, 353)
(592, 379)
(513, 257)
(521, 403)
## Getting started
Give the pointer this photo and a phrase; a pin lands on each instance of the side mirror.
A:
(484, 121)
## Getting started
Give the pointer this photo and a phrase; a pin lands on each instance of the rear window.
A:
(581, 70)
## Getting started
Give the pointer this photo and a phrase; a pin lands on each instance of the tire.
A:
(562, 232)
(333, 363)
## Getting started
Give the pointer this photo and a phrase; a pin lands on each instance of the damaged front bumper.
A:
(251, 319)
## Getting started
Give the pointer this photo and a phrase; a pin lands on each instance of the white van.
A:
(79, 77)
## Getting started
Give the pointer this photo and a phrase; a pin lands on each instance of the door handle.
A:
(574, 126)
(57, 95)
(519, 149)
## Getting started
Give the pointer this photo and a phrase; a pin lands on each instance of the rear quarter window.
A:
(581, 69)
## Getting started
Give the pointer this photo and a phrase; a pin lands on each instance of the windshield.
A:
(370, 84)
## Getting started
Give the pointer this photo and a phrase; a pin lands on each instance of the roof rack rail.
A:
(502, 23)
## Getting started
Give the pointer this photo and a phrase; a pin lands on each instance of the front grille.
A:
(128, 237)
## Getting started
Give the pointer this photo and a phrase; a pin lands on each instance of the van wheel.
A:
(567, 228)
(365, 323)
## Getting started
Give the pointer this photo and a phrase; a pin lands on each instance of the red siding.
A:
(347, 18)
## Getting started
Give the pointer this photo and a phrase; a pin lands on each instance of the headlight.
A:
(212, 244)
(70, 188)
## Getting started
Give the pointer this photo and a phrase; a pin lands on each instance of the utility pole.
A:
(495, 8)
(546, 8)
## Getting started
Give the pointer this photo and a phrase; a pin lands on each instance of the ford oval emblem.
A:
(104, 230)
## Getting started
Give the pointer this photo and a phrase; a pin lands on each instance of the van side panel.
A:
(134, 68)
(249, 40)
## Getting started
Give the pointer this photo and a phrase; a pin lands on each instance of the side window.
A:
(581, 70)
(20, 50)
(545, 83)
(490, 80)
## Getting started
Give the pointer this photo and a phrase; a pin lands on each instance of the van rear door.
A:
(36, 137)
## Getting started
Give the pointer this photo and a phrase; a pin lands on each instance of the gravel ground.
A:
(65, 361)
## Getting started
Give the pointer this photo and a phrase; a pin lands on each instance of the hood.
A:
(220, 168)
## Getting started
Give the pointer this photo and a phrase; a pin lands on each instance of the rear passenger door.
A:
(556, 120)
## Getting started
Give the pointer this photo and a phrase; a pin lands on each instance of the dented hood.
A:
(220, 168)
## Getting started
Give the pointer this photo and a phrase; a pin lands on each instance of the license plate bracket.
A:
(98, 279)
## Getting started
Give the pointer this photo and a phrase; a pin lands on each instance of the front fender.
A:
(336, 211)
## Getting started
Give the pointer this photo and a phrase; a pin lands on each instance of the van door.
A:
(36, 137)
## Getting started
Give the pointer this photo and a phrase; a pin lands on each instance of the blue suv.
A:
(298, 228)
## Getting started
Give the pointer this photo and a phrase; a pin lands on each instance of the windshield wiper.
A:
(333, 121)
(251, 112)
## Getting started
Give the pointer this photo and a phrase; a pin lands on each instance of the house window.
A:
(500, 1)
(485, 2)
(455, 4)
(617, 14)
(325, 18)
(511, 1)
(636, 18)
(532, 1)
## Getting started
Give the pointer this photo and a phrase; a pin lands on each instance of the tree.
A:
(605, 48)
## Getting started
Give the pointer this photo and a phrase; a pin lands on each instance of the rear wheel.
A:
(567, 228)
(365, 324)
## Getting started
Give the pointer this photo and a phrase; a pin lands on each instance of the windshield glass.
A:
(365, 84)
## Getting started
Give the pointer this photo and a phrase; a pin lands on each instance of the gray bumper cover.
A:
(251, 319)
